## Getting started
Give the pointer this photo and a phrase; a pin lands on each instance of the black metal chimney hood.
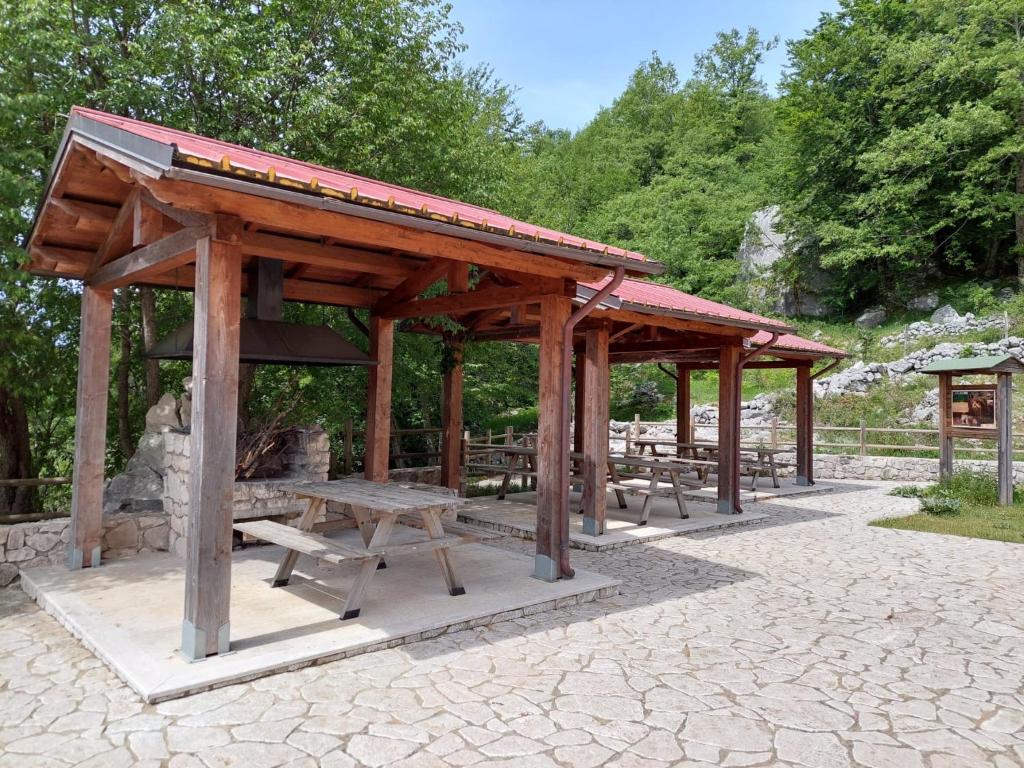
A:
(264, 338)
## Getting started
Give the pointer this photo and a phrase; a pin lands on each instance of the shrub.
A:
(969, 486)
(520, 419)
(941, 505)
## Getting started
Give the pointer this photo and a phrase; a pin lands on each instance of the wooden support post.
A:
(729, 387)
(554, 313)
(594, 419)
(579, 403)
(451, 391)
(682, 406)
(1004, 445)
(945, 413)
(451, 412)
(378, 400)
(90, 429)
(804, 426)
(205, 629)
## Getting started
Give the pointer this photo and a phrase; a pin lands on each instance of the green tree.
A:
(371, 86)
(907, 120)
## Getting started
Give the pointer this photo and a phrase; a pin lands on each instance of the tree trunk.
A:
(15, 457)
(1019, 216)
(124, 428)
(246, 379)
(147, 303)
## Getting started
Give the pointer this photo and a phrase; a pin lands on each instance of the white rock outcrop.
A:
(958, 326)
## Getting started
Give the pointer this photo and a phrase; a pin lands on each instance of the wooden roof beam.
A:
(331, 256)
(358, 231)
(161, 256)
(674, 323)
(461, 303)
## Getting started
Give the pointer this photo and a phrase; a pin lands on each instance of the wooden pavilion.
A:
(131, 203)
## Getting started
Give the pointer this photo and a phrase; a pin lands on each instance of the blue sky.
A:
(569, 58)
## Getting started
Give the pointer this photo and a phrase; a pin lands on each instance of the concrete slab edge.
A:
(155, 695)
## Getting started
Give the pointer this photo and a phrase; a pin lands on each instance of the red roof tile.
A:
(659, 296)
(796, 343)
(222, 156)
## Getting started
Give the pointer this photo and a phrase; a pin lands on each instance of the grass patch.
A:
(974, 521)
(962, 505)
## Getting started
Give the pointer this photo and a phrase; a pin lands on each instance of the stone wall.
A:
(309, 458)
(906, 469)
(31, 545)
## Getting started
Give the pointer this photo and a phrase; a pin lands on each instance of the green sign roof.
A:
(1000, 363)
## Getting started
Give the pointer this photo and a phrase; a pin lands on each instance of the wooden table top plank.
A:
(380, 497)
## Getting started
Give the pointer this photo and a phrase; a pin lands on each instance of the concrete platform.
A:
(764, 491)
(517, 515)
(129, 612)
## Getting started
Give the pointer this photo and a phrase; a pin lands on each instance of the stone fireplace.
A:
(307, 458)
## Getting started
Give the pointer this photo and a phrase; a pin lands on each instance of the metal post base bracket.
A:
(77, 561)
(590, 527)
(725, 507)
(193, 641)
(544, 568)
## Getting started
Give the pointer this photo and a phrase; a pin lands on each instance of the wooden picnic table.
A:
(646, 477)
(764, 463)
(377, 508)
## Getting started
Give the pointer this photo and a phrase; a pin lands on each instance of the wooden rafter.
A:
(414, 285)
(119, 237)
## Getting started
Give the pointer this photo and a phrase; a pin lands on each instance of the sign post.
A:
(978, 411)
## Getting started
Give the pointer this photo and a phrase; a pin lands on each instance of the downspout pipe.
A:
(744, 359)
(562, 449)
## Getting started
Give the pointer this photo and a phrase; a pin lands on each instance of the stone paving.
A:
(811, 640)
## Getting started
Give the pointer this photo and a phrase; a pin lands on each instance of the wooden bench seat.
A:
(468, 533)
(322, 548)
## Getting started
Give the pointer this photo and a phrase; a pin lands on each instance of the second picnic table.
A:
(643, 476)
(765, 463)
(377, 507)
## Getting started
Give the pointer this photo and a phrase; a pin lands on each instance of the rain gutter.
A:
(562, 446)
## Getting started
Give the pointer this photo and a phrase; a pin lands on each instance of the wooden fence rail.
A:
(780, 435)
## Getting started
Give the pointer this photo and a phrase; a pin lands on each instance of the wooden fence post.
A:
(775, 432)
(863, 437)
(464, 472)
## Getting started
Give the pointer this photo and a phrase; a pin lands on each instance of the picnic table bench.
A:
(377, 508)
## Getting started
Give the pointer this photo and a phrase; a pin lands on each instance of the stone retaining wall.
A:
(31, 545)
(910, 470)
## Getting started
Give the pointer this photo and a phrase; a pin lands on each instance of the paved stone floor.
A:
(809, 640)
